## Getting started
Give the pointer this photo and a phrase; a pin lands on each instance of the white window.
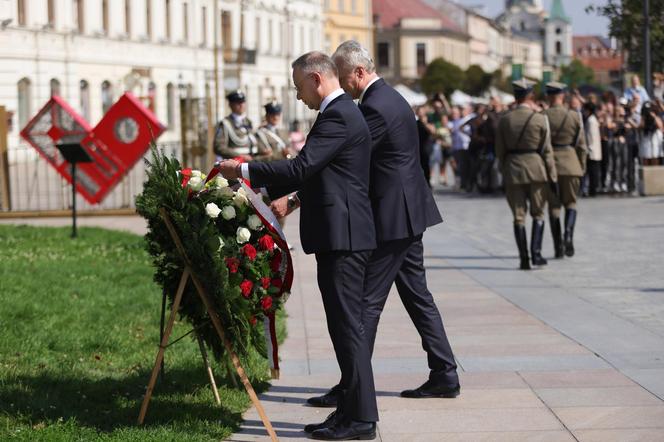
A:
(24, 102)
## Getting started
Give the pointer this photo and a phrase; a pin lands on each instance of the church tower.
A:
(558, 36)
(531, 4)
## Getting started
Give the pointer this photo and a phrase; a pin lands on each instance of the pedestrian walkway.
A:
(525, 343)
(571, 352)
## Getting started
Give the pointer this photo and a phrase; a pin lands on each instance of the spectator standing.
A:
(650, 149)
(594, 143)
(636, 90)
(425, 130)
(296, 138)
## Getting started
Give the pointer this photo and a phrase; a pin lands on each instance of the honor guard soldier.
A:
(569, 151)
(233, 136)
(523, 148)
(270, 139)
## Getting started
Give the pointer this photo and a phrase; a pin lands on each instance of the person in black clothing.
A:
(331, 177)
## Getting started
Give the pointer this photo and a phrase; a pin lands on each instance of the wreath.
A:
(235, 248)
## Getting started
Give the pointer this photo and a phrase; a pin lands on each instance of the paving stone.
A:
(583, 418)
(604, 396)
(631, 435)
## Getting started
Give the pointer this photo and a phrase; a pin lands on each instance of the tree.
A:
(576, 74)
(477, 81)
(442, 76)
(626, 24)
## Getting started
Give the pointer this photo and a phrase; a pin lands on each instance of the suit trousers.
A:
(341, 283)
(569, 189)
(402, 261)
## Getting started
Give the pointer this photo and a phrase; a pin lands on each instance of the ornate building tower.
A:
(558, 36)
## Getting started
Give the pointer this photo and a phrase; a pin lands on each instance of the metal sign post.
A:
(74, 154)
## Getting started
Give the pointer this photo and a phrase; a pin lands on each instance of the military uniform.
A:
(523, 149)
(234, 134)
(569, 148)
(271, 140)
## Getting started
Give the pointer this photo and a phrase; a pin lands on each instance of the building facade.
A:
(91, 51)
(410, 34)
(599, 54)
(551, 30)
(347, 20)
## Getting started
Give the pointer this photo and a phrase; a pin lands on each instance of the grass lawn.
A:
(79, 329)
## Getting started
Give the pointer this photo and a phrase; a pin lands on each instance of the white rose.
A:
(221, 244)
(212, 210)
(197, 173)
(225, 192)
(254, 222)
(196, 183)
(240, 198)
(242, 235)
(220, 182)
(228, 212)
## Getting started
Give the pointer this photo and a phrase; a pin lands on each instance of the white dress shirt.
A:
(366, 88)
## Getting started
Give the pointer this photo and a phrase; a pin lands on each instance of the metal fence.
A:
(34, 186)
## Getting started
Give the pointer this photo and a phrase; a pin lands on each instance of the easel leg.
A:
(208, 368)
(236, 361)
(162, 347)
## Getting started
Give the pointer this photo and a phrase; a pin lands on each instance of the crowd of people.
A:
(621, 132)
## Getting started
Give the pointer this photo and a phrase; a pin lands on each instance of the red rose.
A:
(265, 242)
(186, 176)
(266, 302)
(233, 264)
(275, 263)
(249, 251)
(246, 287)
(276, 282)
(265, 282)
(252, 320)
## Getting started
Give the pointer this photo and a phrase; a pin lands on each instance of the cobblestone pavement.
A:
(574, 351)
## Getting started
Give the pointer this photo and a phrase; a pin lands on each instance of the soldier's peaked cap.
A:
(272, 108)
(522, 86)
(555, 87)
(236, 96)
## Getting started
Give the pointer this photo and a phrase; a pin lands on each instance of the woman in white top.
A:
(594, 143)
(650, 147)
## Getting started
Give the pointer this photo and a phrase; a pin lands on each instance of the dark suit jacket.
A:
(331, 174)
(402, 203)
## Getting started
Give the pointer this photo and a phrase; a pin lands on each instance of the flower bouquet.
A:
(236, 249)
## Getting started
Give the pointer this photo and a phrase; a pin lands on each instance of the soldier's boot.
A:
(536, 243)
(522, 244)
(570, 221)
(557, 234)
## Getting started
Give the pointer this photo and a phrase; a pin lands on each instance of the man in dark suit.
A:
(403, 208)
(331, 177)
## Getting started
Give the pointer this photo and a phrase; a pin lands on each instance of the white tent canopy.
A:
(413, 98)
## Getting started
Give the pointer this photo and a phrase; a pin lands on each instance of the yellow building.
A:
(347, 20)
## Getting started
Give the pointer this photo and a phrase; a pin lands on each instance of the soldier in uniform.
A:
(234, 134)
(270, 139)
(569, 150)
(523, 148)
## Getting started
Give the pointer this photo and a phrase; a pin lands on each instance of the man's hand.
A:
(230, 169)
(283, 206)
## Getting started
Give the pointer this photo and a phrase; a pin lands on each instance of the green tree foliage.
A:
(576, 74)
(626, 24)
(442, 76)
(477, 81)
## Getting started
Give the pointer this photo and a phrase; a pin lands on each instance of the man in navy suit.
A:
(331, 178)
(403, 208)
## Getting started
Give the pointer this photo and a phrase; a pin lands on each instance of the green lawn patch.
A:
(79, 330)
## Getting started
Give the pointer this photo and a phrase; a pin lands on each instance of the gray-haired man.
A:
(403, 208)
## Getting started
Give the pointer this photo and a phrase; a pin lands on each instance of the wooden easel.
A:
(214, 317)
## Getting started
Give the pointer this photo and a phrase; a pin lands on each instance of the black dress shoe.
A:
(431, 390)
(347, 430)
(328, 400)
(329, 421)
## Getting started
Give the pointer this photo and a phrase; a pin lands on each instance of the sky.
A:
(582, 23)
